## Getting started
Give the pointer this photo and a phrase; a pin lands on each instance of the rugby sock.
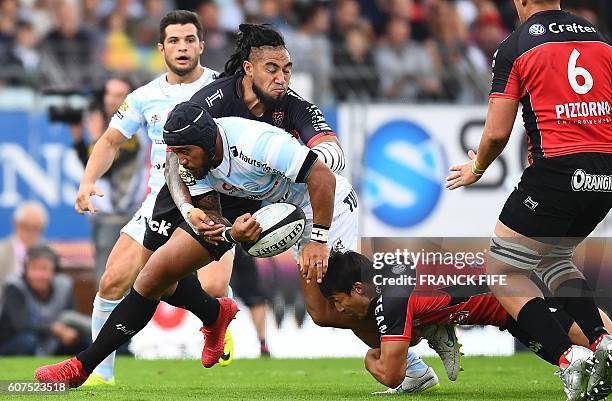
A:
(190, 295)
(536, 319)
(102, 309)
(129, 317)
(575, 297)
(415, 366)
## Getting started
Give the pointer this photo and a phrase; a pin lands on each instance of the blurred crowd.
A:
(360, 50)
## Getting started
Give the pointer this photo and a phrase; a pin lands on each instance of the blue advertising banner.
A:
(37, 162)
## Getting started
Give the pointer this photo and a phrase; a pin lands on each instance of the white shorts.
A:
(137, 226)
(343, 233)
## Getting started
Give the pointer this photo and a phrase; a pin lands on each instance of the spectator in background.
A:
(219, 42)
(42, 16)
(270, 13)
(124, 183)
(489, 31)
(310, 49)
(145, 35)
(406, 67)
(29, 223)
(38, 317)
(346, 16)
(70, 52)
(21, 59)
(9, 15)
(119, 53)
(355, 76)
(463, 68)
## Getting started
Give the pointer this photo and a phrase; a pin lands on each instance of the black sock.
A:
(190, 295)
(576, 298)
(535, 319)
(129, 317)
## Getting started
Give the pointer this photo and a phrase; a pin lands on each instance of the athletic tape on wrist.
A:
(185, 209)
(227, 235)
(320, 233)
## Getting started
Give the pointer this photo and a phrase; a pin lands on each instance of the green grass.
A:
(518, 378)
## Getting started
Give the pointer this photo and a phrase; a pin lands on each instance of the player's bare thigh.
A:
(181, 255)
(215, 276)
(125, 261)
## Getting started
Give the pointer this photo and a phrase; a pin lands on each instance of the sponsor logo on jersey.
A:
(211, 99)
(582, 109)
(186, 176)
(537, 29)
(278, 117)
(154, 119)
(380, 318)
(318, 119)
(530, 203)
(583, 181)
(575, 28)
(257, 164)
(122, 110)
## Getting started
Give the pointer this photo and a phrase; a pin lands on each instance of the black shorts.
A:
(245, 279)
(166, 218)
(565, 196)
(233, 207)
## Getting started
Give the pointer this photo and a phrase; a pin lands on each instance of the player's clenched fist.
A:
(83, 200)
(246, 229)
(313, 261)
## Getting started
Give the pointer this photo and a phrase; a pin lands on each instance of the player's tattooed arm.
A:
(178, 190)
(211, 205)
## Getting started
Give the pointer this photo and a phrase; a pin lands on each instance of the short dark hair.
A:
(250, 36)
(43, 251)
(180, 17)
(343, 270)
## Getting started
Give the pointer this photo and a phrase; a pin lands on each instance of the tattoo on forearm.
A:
(178, 190)
(211, 205)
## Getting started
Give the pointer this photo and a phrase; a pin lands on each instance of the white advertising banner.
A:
(399, 157)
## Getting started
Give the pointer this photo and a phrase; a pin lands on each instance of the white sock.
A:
(102, 309)
(415, 366)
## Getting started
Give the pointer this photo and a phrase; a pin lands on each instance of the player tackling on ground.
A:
(350, 284)
(559, 67)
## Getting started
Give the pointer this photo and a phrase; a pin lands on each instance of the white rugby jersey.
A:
(260, 162)
(148, 107)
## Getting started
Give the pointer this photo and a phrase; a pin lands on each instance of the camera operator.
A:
(125, 181)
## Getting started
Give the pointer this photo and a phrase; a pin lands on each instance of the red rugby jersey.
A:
(559, 66)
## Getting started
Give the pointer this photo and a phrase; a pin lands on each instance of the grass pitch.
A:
(518, 378)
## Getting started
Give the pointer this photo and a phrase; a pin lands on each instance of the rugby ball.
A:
(282, 225)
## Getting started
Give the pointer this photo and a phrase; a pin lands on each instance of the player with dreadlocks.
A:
(255, 85)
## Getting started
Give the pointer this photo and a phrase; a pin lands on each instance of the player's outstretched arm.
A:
(388, 363)
(498, 127)
(321, 184)
(100, 160)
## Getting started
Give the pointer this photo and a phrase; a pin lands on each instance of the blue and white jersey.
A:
(261, 162)
(148, 107)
